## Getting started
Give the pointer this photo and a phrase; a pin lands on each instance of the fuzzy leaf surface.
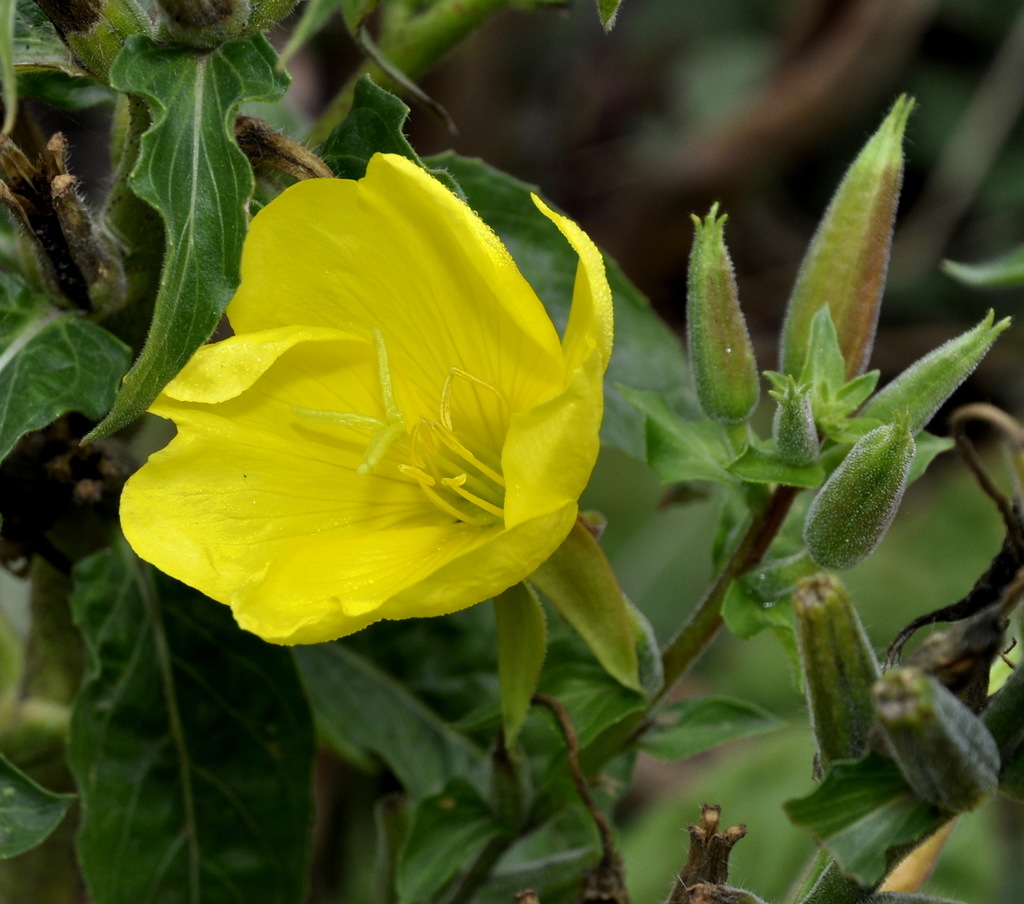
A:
(51, 362)
(192, 172)
(192, 746)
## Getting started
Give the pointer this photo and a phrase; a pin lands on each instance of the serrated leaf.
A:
(607, 10)
(681, 450)
(760, 466)
(556, 877)
(28, 812)
(862, 811)
(1003, 272)
(191, 170)
(51, 362)
(646, 356)
(448, 830)
(375, 124)
(689, 727)
(191, 744)
(358, 704)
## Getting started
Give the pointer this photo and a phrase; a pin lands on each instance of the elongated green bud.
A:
(839, 668)
(848, 258)
(922, 388)
(945, 751)
(721, 355)
(855, 507)
(793, 429)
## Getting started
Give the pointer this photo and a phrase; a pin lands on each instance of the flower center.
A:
(451, 476)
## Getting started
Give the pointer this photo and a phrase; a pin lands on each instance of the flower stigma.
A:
(454, 479)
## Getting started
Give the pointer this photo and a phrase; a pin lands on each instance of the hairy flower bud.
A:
(720, 351)
(922, 388)
(203, 23)
(793, 429)
(848, 258)
(839, 667)
(945, 751)
(855, 507)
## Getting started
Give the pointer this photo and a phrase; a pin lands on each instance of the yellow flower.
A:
(395, 430)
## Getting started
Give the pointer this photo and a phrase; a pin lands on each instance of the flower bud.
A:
(839, 667)
(855, 507)
(846, 264)
(922, 388)
(945, 751)
(793, 429)
(720, 351)
(203, 23)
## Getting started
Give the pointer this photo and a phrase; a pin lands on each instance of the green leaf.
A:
(555, 877)
(522, 643)
(375, 124)
(607, 10)
(357, 704)
(647, 355)
(39, 48)
(191, 743)
(51, 362)
(448, 830)
(863, 811)
(1003, 272)
(8, 82)
(747, 614)
(580, 583)
(594, 699)
(28, 813)
(760, 466)
(681, 450)
(689, 727)
(191, 170)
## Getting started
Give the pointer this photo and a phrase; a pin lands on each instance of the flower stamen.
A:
(383, 433)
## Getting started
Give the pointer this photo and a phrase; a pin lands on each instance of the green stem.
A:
(693, 638)
(413, 46)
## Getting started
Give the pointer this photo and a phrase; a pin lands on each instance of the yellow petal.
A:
(551, 450)
(590, 320)
(399, 252)
(319, 588)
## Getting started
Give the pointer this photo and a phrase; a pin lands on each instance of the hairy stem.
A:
(693, 638)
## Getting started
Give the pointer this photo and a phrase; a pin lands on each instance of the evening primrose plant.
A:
(348, 534)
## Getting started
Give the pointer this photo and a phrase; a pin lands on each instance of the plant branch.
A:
(706, 620)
